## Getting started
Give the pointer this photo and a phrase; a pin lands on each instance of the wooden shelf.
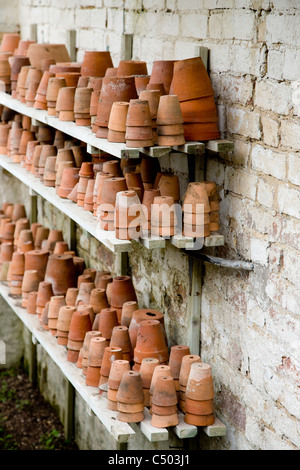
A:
(95, 399)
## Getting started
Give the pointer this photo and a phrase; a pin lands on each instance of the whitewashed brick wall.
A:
(250, 320)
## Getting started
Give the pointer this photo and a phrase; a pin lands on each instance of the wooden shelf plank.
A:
(220, 145)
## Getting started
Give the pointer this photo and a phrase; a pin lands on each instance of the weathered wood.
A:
(220, 145)
(216, 429)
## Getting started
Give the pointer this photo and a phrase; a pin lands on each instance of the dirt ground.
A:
(27, 421)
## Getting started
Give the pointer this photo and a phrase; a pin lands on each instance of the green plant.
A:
(6, 440)
(6, 393)
(50, 440)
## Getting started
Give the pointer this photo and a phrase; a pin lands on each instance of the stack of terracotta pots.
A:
(185, 368)
(80, 324)
(214, 203)
(5, 73)
(164, 403)
(139, 124)
(121, 290)
(65, 314)
(117, 122)
(17, 62)
(20, 87)
(130, 398)
(84, 352)
(170, 121)
(153, 97)
(150, 342)
(114, 89)
(118, 367)
(146, 370)
(107, 199)
(163, 216)
(177, 352)
(40, 97)
(49, 177)
(4, 132)
(44, 294)
(129, 216)
(95, 83)
(82, 102)
(94, 362)
(30, 283)
(33, 79)
(88, 203)
(199, 404)
(65, 104)
(196, 211)
(161, 370)
(55, 303)
(86, 174)
(53, 87)
(193, 87)
(16, 273)
(111, 354)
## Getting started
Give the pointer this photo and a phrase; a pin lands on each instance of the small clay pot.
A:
(200, 383)
(111, 353)
(98, 300)
(160, 421)
(131, 67)
(121, 291)
(151, 342)
(120, 337)
(44, 293)
(30, 281)
(164, 393)
(79, 326)
(139, 114)
(147, 368)
(177, 352)
(37, 260)
(71, 296)
(31, 302)
(65, 314)
(61, 273)
(186, 363)
(130, 389)
(127, 311)
(107, 321)
(95, 63)
(96, 351)
(116, 372)
(140, 315)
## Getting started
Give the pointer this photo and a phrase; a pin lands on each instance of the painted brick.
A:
(244, 122)
(296, 97)
(270, 129)
(282, 29)
(294, 168)
(273, 96)
(194, 26)
(269, 162)
(265, 193)
(259, 251)
(288, 200)
(290, 134)
(240, 182)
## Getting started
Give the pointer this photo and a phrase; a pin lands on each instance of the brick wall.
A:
(249, 320)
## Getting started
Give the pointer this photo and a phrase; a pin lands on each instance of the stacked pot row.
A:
(43, 76)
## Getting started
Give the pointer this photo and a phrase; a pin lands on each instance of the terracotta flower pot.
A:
(116, 372)
(30, 281)
(107, 321)
(120, 338)
(200, 383)
(37, 260)
(141, 82)
(84, 293)
(31, 302)
(147, 368)
(111, 353)
(169, 186)
(6, 252)
(131, 388)
(98, 299)
(79, 326)
(53, 237)
(60, 247)
(49, 176)
(118, 116)
(185, 368)
(86, 346)
(131, 67)
(54, 85)
(150, 342)
(65, 314)
(10, 42)
(140, 315)
(127, 311)
(42, 234)
(71, 296)
(96, 352)
(191, 80)
(196, 199)
(162, 72)
(44, 293)
(95, 63)
(61, 273)
(177, 352)
(164, 393)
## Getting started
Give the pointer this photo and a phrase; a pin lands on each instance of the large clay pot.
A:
(151, 342)
(191, 80)
(60, 271)
(95, 63)
(131, 67)
(162, 72)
